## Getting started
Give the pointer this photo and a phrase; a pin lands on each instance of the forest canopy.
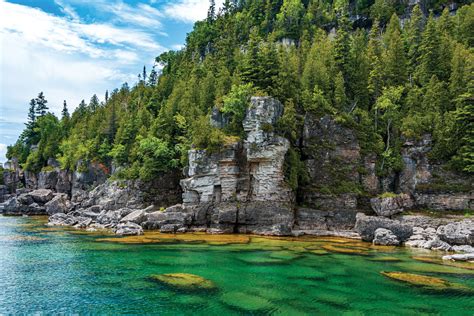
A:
(389, 70)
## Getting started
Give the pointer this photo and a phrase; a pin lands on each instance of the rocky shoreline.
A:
(243, 189)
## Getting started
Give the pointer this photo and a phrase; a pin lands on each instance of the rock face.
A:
(248, 172)
(332, 158)
(388, 206)
(29, 203)
(385, 237)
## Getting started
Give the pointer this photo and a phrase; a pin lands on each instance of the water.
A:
(56, 270)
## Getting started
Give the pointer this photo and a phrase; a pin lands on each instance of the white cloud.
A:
(61, 34)
(65, 58)
(189, 11)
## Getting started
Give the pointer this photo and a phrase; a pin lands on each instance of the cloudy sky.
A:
(72, 49)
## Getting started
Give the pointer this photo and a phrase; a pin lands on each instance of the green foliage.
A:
(235, 104)
(386, 82)
(295, 170)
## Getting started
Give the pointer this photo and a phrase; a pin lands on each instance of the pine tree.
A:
(41, 107)
(64, 112)
(29, 131)
(144, 74)
(412, 34)
(106, 96)
(211, 13)
(94, 103)
(393, 57)
(342, 45)
(374, 55)
(430, 56)
(288, 21)
(153, 78)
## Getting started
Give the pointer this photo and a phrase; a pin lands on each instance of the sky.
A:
(72, 49)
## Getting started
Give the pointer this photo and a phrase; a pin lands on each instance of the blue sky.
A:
(72, 49)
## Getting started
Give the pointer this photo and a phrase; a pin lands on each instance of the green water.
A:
(57, 271)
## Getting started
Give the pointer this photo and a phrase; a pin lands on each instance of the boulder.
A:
(137, 217)
(128, 229)
(59, 204)
(460, 257)
(463, 248)
(61, 219)
(367, 225)
(41, 196)
(388, 206)
(109, 217)
(385, 237)
(457, 233)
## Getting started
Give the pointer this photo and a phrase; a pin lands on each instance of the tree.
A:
(65, 112)
(41, 107)
(393, 57)
(389, 105)
(144, 74)
(340, 99)
(288, 21)
(430, 62)
(94, 103)
(211, 13)
(29, 134)
(342, 45)
(153, 78)
(106, 96)
(374, 55)
(413, 34)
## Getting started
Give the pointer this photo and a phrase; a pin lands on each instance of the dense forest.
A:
(388, 70)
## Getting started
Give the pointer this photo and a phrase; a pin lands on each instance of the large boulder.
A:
(457, 233)
(41, 196)
(385, 237)
(137, 216)
(59, 204)
(391, 205)
(367, 225)
(128, 229)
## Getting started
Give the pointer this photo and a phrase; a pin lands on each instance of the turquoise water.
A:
(56, 270)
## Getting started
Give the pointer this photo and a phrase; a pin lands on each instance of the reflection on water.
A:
(57, 270)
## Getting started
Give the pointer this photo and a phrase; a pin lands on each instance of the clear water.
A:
(46, 271)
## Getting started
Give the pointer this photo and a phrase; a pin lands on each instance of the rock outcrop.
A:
(385, 237)
(248, 174)
(388, 206)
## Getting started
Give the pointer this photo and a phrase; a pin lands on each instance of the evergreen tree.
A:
(342, 45)
(106, 96)
(152, 79)
(41, 107)
(430, 62)
(211, 13)
(412, 34)
(64, 112)
(374, 55)
(94, 103)
(393, 57)
(144, 74)
(288, 21)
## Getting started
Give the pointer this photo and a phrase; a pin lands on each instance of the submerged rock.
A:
(424, 281)
(128, 229)
(245, 301)
(184, 281)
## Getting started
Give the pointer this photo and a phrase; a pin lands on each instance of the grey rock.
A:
(388, 206)
(59, 204)
(170, 228)
(460, 257)
(41, 196)
(128, 229)
(463, 248)
(47, 179)
(385, 237)
(367, 225)
(61, 219)
(457, 233)
(137, 217)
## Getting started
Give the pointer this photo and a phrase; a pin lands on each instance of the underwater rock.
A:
(128, 229)
(184, 280)
(424, 281)
(245, 301)
(344, 250)
(385, 237)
